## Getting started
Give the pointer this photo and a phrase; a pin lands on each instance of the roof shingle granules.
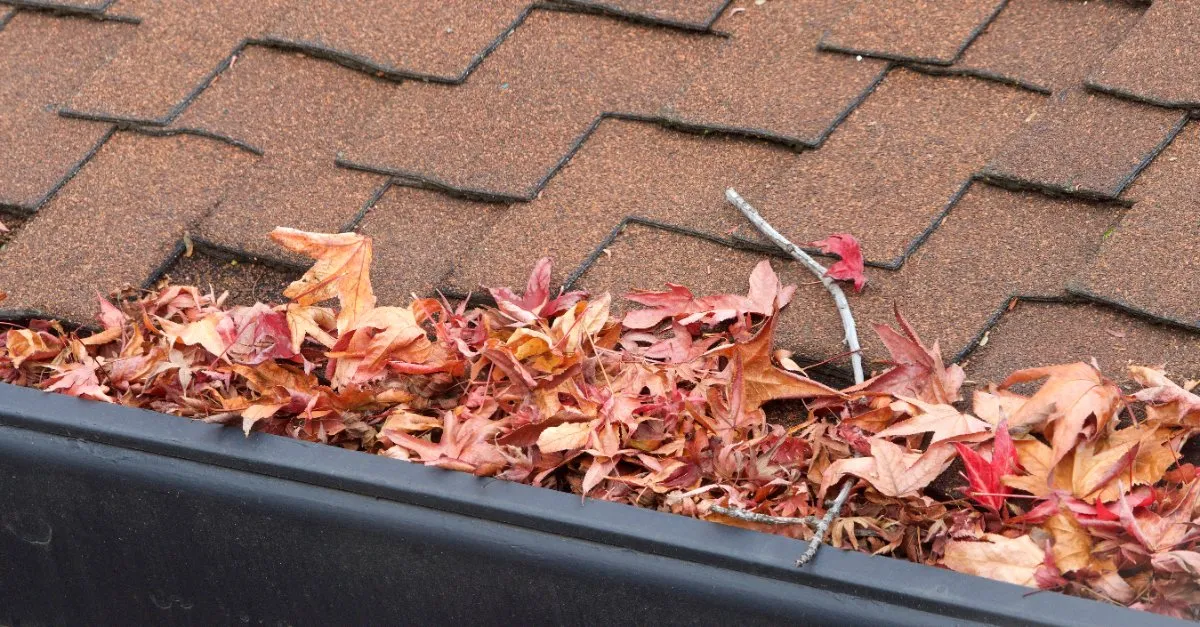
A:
(472, 138)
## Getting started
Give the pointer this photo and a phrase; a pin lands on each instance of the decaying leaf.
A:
(1014, 560)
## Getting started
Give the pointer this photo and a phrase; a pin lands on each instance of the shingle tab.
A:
(1151, 262)
(898, 162)
(1049, 44)
(44, 60)
(771, 81)
(139, 194)
(1159, 61)
(926, 31)
(1086, 143)
(442, 40)
(522, 113)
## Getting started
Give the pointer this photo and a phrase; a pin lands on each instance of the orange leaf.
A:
(1075, 402)
(342, 270)
(1014, 560)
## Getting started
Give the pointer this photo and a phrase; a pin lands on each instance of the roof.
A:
(1022, 174)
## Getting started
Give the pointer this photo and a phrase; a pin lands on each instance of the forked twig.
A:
(843, 307)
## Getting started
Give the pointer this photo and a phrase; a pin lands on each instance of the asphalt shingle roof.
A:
(1022, 174)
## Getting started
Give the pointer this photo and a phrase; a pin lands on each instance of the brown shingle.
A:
(441, 40)
(122, 216)
(1043, 334)
(178, 48)
(769, 80)
(43, 60)
(296, 110)
(1151, 262)
(928, 31)
(1160, 59)
(1085, 143)
(518, 116)
(895, 164)
(694, 14)
(1049, 44)
(420, 236)
(624, 169)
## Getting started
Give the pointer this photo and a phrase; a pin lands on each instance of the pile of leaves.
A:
(1072, 485)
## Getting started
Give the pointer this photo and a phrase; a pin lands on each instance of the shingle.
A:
(296, 110)
(1085, 143)
(1042, 334)
(1049, 44)
(1160, 59)
(769, 80)
(420, 236)
(43, 60)
(624, 169)
(892, 168)
(122, 215)
(695, 14)
(523, 111)
(1151, 262)
(928, 31)
(178, 48)
(440, 40)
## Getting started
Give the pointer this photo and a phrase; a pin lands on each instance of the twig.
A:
(839, 297)
(765, 519)
(843, 307)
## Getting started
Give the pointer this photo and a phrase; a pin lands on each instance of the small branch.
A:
(843, 307)
(839, 297)
(741, 514)
(823, 526)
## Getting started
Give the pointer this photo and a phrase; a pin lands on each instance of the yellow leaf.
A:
(1072, 543)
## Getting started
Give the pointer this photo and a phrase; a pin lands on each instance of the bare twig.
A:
(741, 514)
(843, 307)
(839, 297)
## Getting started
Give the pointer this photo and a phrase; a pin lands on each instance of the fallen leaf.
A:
(985, 476)
(1075, 402)
(891, 469)
(1014, 560)
(342, 270)
(851, 266)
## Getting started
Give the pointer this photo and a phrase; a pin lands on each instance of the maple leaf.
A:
(565, 437)
(1177, 562)
(215, 332)
(466, 444)
(1166, 400)
(342, 270)
(27, 344)
(1072, 546)
(891, 469)
(80, 380)
(851, 266)
(1076, 402)
(1015, 560)
(535, 303)
(382, 335)
(944, 421)
(985, 476)
(917, 370)
(765, 382)
(766, 296)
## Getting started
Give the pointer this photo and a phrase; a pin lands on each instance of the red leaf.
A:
(851, 266)
(985, 475)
